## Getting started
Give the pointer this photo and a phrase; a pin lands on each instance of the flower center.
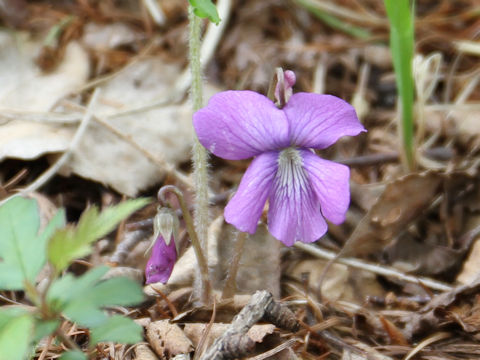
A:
(291, 175)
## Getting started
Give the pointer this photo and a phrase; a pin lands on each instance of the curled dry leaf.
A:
(167, 339)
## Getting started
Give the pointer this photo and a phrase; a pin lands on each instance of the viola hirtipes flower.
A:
(302, 189)
(164, 252)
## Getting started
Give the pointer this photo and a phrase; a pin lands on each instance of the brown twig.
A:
(234, 342)
(126, 245)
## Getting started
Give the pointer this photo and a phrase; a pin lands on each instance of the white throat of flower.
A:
(291, 176)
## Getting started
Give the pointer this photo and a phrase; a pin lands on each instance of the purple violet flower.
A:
(160, 265)
(302, 189)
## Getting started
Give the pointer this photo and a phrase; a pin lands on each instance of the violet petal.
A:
(246, 206)
(317, 121)
(160, 265)
(330, 182)
(240, 124)
(294, 210)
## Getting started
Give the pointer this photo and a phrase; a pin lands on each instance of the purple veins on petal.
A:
(294, 211)
(160, 265)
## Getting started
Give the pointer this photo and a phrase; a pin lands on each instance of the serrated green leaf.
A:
(71, 243)
(15, 334)
(22, 249)
(81, 299)
(205, 9)
(118, 329)
(73, 355)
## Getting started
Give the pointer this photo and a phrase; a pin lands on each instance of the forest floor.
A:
(407, 285)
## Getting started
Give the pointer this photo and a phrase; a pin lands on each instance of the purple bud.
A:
(160, 265)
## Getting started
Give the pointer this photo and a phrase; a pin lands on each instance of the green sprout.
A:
(400, 14)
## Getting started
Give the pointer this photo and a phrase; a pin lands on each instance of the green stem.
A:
(200, 156)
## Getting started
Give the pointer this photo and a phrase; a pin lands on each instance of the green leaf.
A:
(69, 288)
(73, 355)
(81, 299)
(118, 329)
(72, 243)
(44, 328)
(16, 328)
(205, 9)
(22, 250)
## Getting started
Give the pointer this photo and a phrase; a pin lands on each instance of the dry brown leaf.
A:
(402, 202)
(340, 283)
(26, 89)
(444, 308)
(164, 131)
(471, 267)
(167, 339)
(143, 352)
(260, 263)
(109, 36)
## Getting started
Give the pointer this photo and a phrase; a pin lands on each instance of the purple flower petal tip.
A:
(160, 265)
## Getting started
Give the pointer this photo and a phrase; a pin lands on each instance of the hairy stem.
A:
(200, 156)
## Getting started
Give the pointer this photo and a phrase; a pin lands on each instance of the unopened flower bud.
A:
(284, 89)
(164, 252)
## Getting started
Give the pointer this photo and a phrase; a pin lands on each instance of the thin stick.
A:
(47, 175)
(231, 282)
(275, 350)
(376, 269)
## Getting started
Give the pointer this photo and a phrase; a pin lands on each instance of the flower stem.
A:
(200, 156)
(202, 262)
(231, 281)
